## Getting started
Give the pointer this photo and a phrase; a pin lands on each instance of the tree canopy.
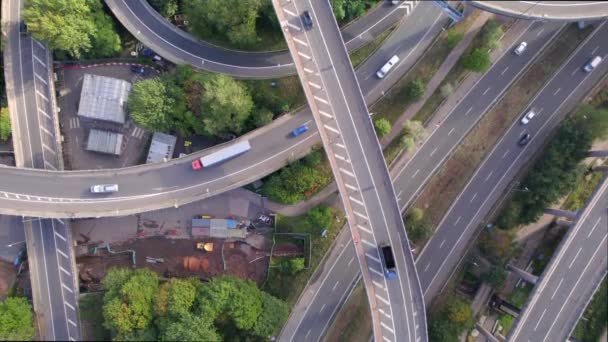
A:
(150, 106)
(16, 320)
(478, 60)
(166, 8)
(74, 26)
(226, 105)
(5, 124)
(382, 126)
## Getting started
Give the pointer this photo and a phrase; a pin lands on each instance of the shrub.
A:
(382, 126)
(478, 60)
(415, 89)
(454, 37)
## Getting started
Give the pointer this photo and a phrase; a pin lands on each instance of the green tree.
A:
(594, 120)
(417, 226)
(235, 19)
(131, 309)
(442, 330)
(166, 8)
(261, 117)
(16, 321)
(415, 89)
(407, 143)
(446, 89)
(509, 216)
(105, 42)
(414, 129)
(459, 312)
(190, 328)
(294, 265)
(497, 244)
(383, 127)
(5, 124)
(320, 217)
(490, 34)
(63, 24)
(274, 314)
(226, 105)
(176, 297)
(150, 106)
(478, 60)
(454, 37)
(495, 277)
(347, 10)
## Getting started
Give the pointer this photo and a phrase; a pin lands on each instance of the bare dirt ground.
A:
(7, 277)
(180, 258)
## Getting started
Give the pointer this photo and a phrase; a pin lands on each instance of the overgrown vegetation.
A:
(137, 306)
(477, 58)
(76, 27)
(5, 124)
(187, 102)
(286, 285)
(455, 317)
(382, 126)
(348, 10)
(16, 320)
(406, 141)
(166, 8)
(417, 226)
(299, 180)
(593, 323)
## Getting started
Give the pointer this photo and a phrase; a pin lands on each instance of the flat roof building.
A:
(161, 148)
(104, 142)
(104, 98)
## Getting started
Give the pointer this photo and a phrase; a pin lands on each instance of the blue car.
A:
(299, 130)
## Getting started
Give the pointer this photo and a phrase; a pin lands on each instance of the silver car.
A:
(104, 188)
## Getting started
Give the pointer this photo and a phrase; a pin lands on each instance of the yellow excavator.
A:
(205, 246)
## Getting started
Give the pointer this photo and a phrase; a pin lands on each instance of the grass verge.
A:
(287, 286)
(449, 181)
(280, 95)
(91, 317)
(583, 189)
(352, 323)
(593, 323)
(360, 55)
(396, 100)
(519, 296)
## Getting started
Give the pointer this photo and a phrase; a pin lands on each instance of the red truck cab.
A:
(196, 164)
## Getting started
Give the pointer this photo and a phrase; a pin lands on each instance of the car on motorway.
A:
(104, 188)
(524, 139)
(387, 67)
(519, 50)
(592, 64)
(298, 131)
(388, 261)
(306, 20)
(526, 118)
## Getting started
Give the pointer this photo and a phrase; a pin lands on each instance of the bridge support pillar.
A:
(564, 223)
(530, 278)
(597, 153)
(601, 168)
(561, 213)
(488, 335)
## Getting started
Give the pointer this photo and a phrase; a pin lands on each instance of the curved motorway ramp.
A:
(547, 10)
(180, 47)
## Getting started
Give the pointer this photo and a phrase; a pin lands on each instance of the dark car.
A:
(524, 139)
(138, 69)
(306, 20)
(22, 27)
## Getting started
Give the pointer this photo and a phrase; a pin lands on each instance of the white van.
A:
(387, 67)
(594, 62)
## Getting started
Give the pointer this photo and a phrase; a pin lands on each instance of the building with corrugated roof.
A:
(104, 142)
(104, 98)
(161, 148)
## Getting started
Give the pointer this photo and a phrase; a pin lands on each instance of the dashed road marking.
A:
(452, 130)
(69, 305)
(378, 285)
(372, 257)
(332, 129)
(415, 173)
(321, 100)
(503, 72)
(314, 85)
(60, 236)
(368, 243)
(575, 256)
(340, 157)
(468, 111)
(486, 91)
(346, 172)
(356, 201)
(376, 271)
(557, 288)
(360, 215)
(335, 285)
(557, 91)
(304, 55)
(67, 288)
(364, 229)
(457, 220)
(350, 187)
(383, 300)
(387, 327)
(540, 319)
(441, 244)
(473, 198)
(488, 176)
(62, 254)
(427, 266)
(326, 114)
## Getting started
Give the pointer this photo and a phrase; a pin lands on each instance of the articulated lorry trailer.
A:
(220, 156)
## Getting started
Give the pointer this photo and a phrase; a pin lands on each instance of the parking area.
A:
(75, 129)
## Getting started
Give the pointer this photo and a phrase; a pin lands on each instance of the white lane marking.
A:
(297, 28)
(304, 55)
(309, 71)
(356, 200)
(595, 225)
(557, 288)
(441, 244)
(346, 172)
(415, 173)
(473, 198)
(427, 266)
(335, 285)
(368, 243)
(48, 149)
(350, 187)
(387, 327)
(69, 305)
(41, 79)
(575, 256)
(360, 215)
(574, 71)
(383, 300)
(452, 130)
(320, 99)
(39, 60)
(44, 113)
(468, 111)
(595, 49)
(62, 254)
(308, 333)
(67, 288)
(331, 129)
(322, 307)
(541, 31)
(64, 271)
(380, 286)
(433, 152)
(42, 95)
(314, 85)
(340, 157)
(505, 154)
(486, 91)
(46, 131)
(540, 320)
(387, 339)
(289, 12)
(60, 236)
(376, 271)
(350, 261)
(372, 257)
(488, 176)
(49, 165)
(327, 115)
(503, 72)
(557, 91)
(457, 220)
(341, 146)
(384, 313)
(71, 322)
(364, 229)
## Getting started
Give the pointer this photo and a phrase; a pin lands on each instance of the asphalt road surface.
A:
(358, 165)
(570, 279)
(547, 10)
(48, 243)
(180, 47)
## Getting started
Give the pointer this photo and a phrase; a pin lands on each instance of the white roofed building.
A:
(104, 98)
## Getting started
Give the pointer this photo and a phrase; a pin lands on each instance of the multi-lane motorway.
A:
(180, 47)
(358, 165)
(570, 279)
(30, 97)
